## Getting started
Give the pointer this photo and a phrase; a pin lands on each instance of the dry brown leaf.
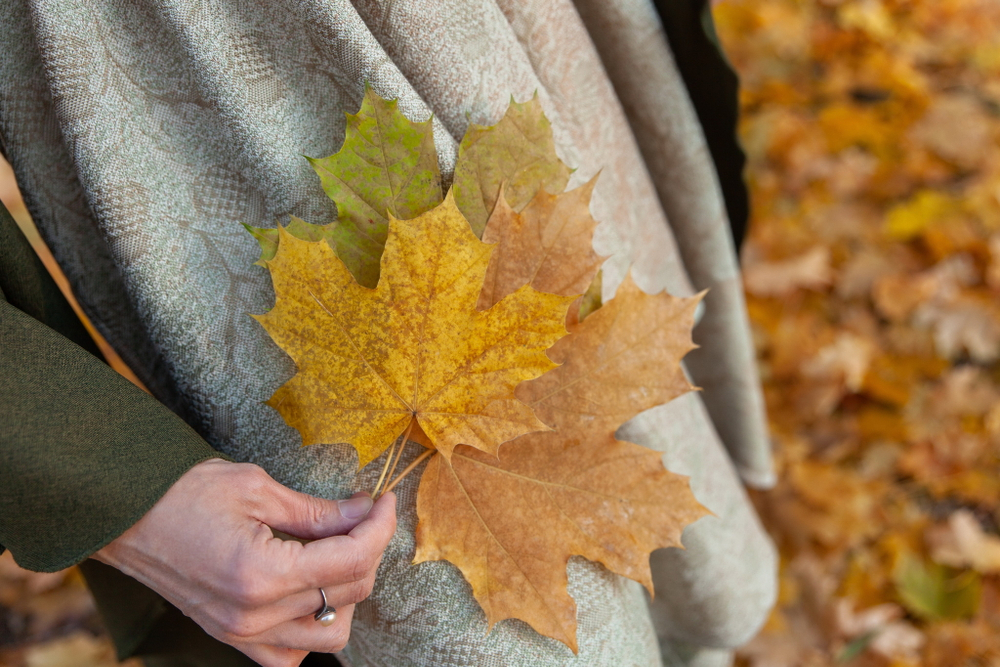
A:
(962, 543)
(782, 650)
(846, 360)
(548, 245)
(79, 649)
(512, 524)
(966, 390)
(897, 295)
(963, 325)
(851, 623)
(810, 270)
(898, 641)
(880, 627)
(623, 359)
(992, 276)
(957, 128)
(582, 492)
(860, 272)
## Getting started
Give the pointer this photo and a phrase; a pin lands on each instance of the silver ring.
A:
(326, 614)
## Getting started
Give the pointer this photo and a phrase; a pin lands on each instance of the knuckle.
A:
(247, 590)
(252, 477)
(238, 624)
(313, 512)
(362, 589)
(362, 565)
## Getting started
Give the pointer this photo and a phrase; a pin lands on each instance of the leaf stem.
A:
(406, 471)
(402, 446)
(385, 469)
(388, 459)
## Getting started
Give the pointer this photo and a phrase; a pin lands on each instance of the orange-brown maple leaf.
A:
(511, 524)
(548, 245)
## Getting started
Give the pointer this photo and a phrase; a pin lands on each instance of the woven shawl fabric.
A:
(144, 132)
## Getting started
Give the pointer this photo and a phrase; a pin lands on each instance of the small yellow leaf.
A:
(910, 218)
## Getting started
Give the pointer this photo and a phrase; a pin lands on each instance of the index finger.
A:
(352, 557)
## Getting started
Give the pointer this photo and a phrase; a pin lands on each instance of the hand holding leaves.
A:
(399, 324)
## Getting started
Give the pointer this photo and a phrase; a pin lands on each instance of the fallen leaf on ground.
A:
(933, 592)
(910, 218)
(961, 542)
(963, 325)
(897, 295)
(847, 359)
(964, 142)
(79, 649)
(878, 629)
(810, 270)
(965, 390)
(898, 641)
(851, 623)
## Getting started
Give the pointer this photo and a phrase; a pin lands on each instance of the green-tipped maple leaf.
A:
(387, 167)
(297, 227)
(519, 151)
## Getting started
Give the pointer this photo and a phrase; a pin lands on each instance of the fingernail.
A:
(355, 508)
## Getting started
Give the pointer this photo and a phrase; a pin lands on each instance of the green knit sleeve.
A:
(83, 452)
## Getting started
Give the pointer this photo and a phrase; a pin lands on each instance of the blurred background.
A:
(872, 271)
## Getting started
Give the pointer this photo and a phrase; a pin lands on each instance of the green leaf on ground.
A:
(935, 592)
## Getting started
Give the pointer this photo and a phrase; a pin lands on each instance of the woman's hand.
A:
(207, 547)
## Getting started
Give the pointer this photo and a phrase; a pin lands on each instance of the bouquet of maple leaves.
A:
(403, 322)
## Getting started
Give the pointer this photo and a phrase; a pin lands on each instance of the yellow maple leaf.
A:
(372, 360)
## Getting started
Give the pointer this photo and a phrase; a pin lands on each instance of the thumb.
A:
(311, 518)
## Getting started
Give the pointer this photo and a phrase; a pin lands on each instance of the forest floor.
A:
(872, 270)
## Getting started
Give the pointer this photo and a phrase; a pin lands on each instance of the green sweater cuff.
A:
(83, 452)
